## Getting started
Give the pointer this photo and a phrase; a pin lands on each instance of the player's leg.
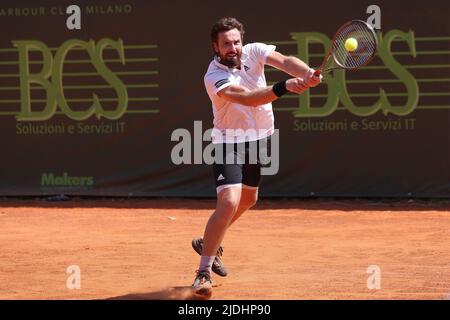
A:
(227, 204)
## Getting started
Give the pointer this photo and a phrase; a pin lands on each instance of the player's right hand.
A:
(296, 85)
(312, 79)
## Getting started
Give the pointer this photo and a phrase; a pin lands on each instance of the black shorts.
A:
(240, 163)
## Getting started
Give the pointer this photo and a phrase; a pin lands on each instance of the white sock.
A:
(206, 263)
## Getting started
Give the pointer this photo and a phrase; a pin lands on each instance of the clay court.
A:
(283, 249)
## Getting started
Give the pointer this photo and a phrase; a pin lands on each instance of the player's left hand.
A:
(312, 80)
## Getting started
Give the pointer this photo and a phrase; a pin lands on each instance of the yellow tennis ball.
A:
(351, 44)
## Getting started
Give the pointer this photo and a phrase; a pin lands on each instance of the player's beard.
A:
(231, 62)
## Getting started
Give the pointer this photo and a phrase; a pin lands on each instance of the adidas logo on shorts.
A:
(221, 177)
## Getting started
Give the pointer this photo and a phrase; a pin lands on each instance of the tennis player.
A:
(241, 103)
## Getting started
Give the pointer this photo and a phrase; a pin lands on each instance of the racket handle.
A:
(317, 73)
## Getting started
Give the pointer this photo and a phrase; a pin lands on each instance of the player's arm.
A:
(293, 66)
(260, 96)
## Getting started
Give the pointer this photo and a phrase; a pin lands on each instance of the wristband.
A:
(279, 88)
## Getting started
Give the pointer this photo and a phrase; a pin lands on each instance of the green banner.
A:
(89, 102)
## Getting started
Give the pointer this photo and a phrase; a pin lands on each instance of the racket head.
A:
(367, 45)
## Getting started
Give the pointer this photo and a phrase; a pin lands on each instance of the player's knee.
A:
(228, 204)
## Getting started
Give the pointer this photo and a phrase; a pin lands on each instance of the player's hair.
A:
(226, 24)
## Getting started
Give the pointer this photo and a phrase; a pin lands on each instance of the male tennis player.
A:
(241, 102)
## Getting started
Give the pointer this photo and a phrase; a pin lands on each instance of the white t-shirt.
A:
(233, 122)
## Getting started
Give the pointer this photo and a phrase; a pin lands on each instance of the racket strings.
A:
(366, 45)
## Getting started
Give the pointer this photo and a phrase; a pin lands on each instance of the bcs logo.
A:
(50, 78)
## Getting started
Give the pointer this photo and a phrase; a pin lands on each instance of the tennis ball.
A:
(351, 44)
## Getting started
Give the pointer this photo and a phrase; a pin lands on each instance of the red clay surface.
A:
(283, 249)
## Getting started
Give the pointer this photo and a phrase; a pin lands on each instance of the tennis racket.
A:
(366, 47)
